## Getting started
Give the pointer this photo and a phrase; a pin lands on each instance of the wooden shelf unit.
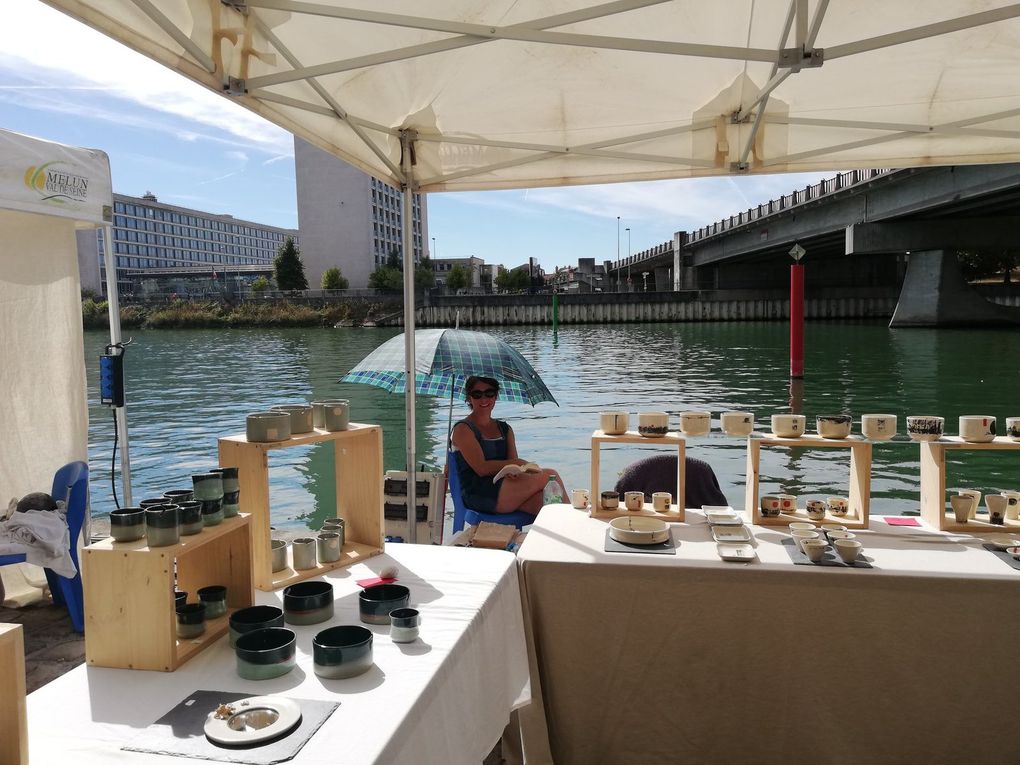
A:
(934, 500)
(860, 479)
(675, 440)
(14, 741)
(130, 622)
(358, 465)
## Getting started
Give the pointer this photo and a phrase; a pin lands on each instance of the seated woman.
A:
(483, 446)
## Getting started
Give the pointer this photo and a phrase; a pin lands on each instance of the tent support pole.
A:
(407, 245)
(113, 303)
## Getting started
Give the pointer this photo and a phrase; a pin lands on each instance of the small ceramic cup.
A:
(800, 536)
(318, 414)
(827, 528)
(266, 653)
(341, 652)
(695, 423)
(190, 517)
(653, 424)
(771, 506)
(996, 504)
(816, 509)
(737, 423)
(610, 500)
(161, 525)
(814, 549)
(176, 496)
(833, 426)
(788, 425)
(579, 498)
(127, 524)
(634, 500)
(977, 499)
(336, 415)
(212, 512)
(977, 429)
(878, 427)
(963, 507)
(925, 427)
(404, 623)
(838, 506)
(214, 598)
(661, 501)
(190, 620)
(802, 526)
(1013, 428)
(303, 552)
(848, 549)
(835, 535)
(207, 485)
(333, 524)
(1012, 505)
(327, 547)
(787, 503)
(278, 551)
(231, 481)
(180, 598)
(614, 423)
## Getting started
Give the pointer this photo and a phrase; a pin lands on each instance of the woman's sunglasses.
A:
(488, 393)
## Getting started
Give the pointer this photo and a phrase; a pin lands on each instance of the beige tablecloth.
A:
(687, 659)
(443, 699)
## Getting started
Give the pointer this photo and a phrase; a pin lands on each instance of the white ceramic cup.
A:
(653, 424)
(878, 427)
(834, 535)
(800, 536)
(814, 549)
(1013, 428)
(802, 526)
(610, 500)
(816, 509)
(737, 423)
(695, 423)
(788, 503)
(996, 504)
(579, 498)
(771, 506)
(838, 506)
(828, 527)
(925, 427)
(634, 500)
(614, 423)
(1012, 505)
(788, 425)
(833, 425)
(963, 507)
(977, 429)
(661, 501)
(977, 499)
(848, 549)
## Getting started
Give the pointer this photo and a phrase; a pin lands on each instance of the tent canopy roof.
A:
(528, 93)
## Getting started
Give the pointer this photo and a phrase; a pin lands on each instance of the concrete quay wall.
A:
(612, 308)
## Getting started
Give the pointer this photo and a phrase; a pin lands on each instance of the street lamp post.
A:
(618, 253)
(434, 253)
(644, 275)
(628, 258)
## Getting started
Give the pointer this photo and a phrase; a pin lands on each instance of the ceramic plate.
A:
(1002, 541)
(721, 515)
(639, 530)
(731, 534)
(255, 719)
(737, 552)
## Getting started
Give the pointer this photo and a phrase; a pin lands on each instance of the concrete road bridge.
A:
(864, 228)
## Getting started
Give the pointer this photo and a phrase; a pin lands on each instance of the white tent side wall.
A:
(46, 191)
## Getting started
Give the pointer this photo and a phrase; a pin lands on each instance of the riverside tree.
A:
(333, 279)
(458, 278)
(288, 269)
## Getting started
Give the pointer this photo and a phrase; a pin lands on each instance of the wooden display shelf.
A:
(358, 466)
(14, 741)
(599, 437)
(129, 594)
(933, 484)
(860, 479)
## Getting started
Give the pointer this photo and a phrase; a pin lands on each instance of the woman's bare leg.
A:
(521, 493)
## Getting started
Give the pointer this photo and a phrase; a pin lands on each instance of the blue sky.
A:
(62, 81)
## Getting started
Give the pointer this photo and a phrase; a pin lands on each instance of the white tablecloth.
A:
(685, 658)
(443, 699)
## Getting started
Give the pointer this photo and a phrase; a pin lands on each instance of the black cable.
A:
(113, 461)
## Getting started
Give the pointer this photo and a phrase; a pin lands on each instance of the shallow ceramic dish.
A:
(375, 603)
(735, 552)
(252, 720)
(638, 530)
(719, 515)
(344, 651)
(739, 534)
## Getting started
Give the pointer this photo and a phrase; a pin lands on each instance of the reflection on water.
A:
(187, 388)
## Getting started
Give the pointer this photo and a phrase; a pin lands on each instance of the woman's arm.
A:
(469, 447)
(511, 447)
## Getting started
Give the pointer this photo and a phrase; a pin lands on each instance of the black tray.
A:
(1002, 555)
(663, 548)
(829, 559)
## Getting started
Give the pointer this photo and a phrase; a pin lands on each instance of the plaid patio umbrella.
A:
(444, 359)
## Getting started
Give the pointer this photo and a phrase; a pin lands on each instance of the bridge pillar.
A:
(934, 294)
(663, 279)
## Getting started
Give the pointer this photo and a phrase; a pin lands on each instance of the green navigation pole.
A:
(556, 311)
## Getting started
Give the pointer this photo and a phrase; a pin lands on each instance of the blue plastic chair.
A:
(465, 515)
(70, 485)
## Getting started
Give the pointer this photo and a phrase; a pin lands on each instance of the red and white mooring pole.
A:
(797, 313)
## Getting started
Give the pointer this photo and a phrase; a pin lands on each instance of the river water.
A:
(187, 388)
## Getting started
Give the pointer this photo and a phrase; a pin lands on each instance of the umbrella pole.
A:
(449, 432)
(407, 245)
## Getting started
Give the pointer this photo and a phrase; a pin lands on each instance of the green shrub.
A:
(182, 315)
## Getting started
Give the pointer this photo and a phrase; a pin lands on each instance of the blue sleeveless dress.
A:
(478, 491)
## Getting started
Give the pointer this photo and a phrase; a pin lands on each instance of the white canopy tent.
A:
(497, 94)
(47, 191)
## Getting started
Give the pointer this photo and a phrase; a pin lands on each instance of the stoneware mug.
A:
(977, 429)
(661, 501)
(787, 503)
(579, 498)
(614, 423)
(963, 507)
(610, 500)
(976, 495)
(816, 509)
(996, 504)
(737, 423)
(634, 500)
(838, 506)
(771, 506)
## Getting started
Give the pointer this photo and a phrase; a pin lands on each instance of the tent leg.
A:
(120, 414)
(407, 245)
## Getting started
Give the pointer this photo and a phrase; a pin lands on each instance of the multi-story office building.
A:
(348, 219)
(161, 243)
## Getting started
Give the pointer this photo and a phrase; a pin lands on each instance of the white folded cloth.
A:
(45, 536)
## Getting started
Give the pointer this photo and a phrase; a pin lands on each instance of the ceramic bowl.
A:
(176, 496)
(614, 423)
(161, 525)
(838, 506)
(737, 423)
(814, 549)
(246, 620)
(344, 651)
(788, 425)
(375, 603)
(308, 602)
(977, 429)
(802, 526)
(925, 427)
(638, 530)
(695, 423)
(266, 653)
(1013, 428)
(267, 426)
(653, 424)
(1014, 551)
(816, 508)
(610, 500)
(848, 549)
(214, 597)
(300, 417)
(878, 427)
(127, 524)
(190, 620)
(833, 425)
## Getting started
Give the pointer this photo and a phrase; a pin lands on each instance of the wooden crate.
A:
(14, 740)
(860, 479)
(934, 501)
(358, 466)
(130, 622)
(675, 440)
